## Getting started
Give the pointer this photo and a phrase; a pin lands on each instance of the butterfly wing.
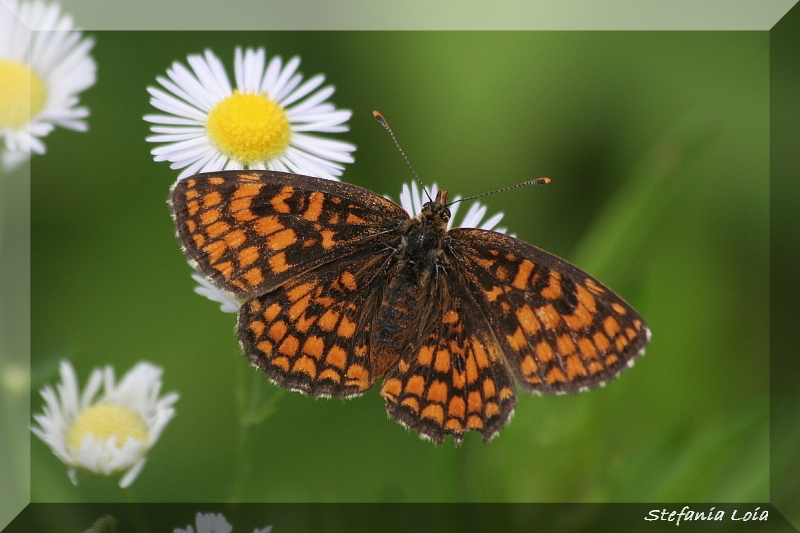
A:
(560, 329)
(250, 231)
(450, 376)
(312, 334)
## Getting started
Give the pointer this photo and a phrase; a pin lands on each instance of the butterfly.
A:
(341, 288)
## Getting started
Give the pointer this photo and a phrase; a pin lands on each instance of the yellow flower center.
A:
(249, 127)
(22, 94)
(104, 420)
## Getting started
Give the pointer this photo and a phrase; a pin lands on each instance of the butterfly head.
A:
(437, 211)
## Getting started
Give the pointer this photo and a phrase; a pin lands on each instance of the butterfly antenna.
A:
(537, 181)
(382, 121)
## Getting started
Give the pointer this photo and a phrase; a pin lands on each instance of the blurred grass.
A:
(657, 145)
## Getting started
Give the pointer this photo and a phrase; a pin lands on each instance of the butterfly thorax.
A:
(422, 244)
(403, 319)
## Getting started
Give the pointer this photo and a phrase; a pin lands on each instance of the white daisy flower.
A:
(111, 434)
(267, 122)
(412, 199)
(213, 523)
(44, 65)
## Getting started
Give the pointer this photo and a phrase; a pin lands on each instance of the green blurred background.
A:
(657, 144)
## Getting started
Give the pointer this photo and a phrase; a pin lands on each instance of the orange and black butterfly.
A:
(342, 287)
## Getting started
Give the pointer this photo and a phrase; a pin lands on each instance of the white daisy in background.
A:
(109, 435)
(213, 523)
(44, 65)
(268, 121)
(412, 199)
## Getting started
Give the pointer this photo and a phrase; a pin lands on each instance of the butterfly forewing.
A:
(561, 330)
(250, 231)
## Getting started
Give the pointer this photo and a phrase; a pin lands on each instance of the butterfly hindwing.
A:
(451, 376)
(313, 333)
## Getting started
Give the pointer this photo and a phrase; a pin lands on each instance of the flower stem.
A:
(253, 410)
(134, 511)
